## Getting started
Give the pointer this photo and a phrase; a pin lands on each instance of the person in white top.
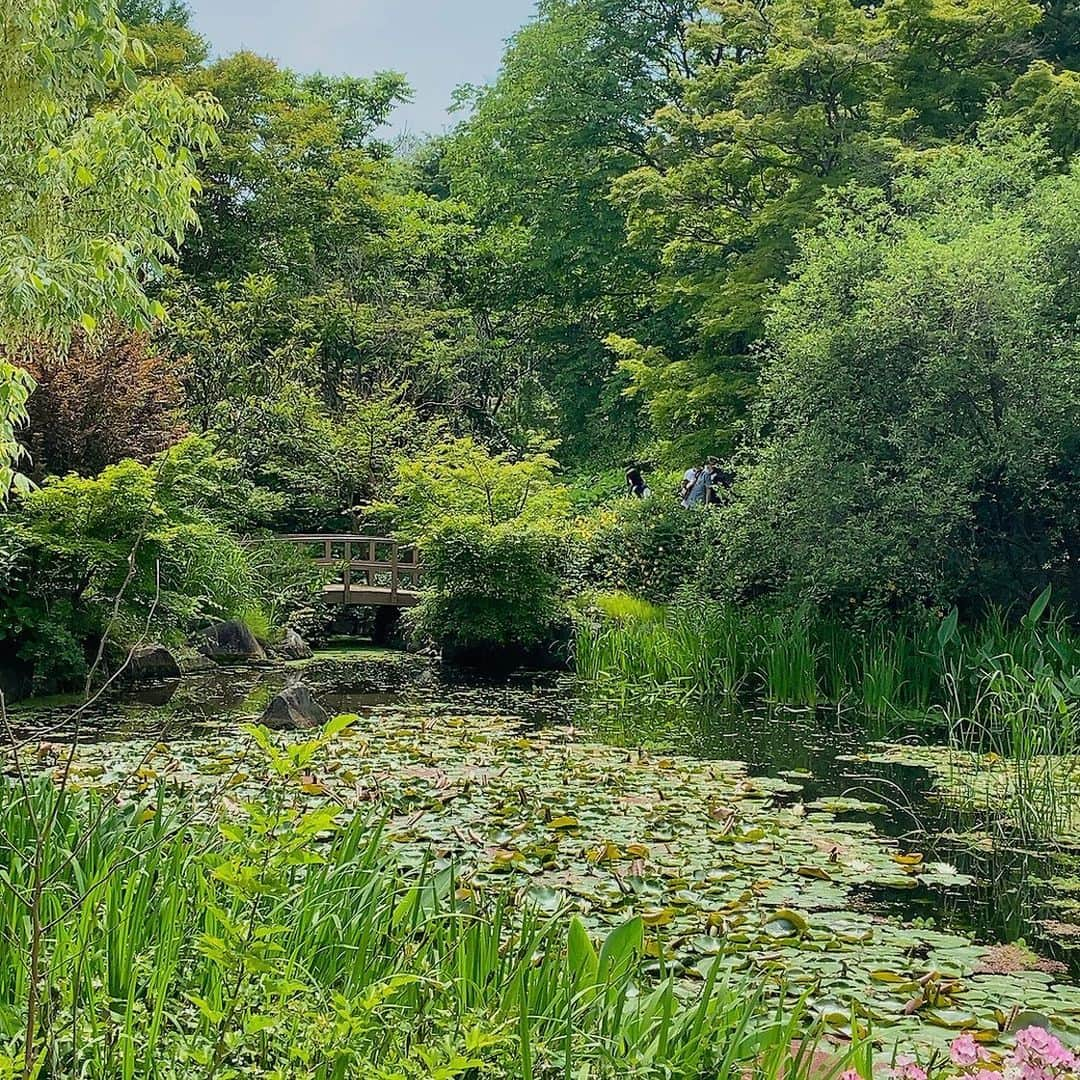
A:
(690, 478)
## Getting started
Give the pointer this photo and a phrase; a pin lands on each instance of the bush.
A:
(100, 402)
(491, 587)
(918, 424)
(130, 553)
(648, 547)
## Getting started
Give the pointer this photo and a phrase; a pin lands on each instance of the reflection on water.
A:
(815, 748)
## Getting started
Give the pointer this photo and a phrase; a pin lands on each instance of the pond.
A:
(760, 839)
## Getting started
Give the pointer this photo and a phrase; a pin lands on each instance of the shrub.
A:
(463, 479)
(491, 586)
(101, 402)
(137, 550)
(647, 547)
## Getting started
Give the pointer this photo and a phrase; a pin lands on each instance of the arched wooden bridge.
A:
(372, 571)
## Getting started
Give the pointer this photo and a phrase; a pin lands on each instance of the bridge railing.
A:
(375, 566)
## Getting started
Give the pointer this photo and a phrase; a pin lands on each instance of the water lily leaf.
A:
(567, 821)
(1029, 1018)
(662, 917)
(785, 924)
(954, 1019)
(814, 872)
(546, 898)
(912, 859)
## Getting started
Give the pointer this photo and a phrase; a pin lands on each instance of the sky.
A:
(438, 44)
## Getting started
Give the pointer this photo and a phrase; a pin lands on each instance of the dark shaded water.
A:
(1009, 900)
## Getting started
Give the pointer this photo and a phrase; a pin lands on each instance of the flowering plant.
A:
(1036, 1055)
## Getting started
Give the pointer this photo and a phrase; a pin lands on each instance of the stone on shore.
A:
(230, 643)
(152, 663)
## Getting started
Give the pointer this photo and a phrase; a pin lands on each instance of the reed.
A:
(1005, 691)
(801, 658)
(1015, 756)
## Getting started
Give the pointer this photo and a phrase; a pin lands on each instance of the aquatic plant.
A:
(800, 657)
(284, 939)
(1013, 715)
(731, 877)
(797, 657)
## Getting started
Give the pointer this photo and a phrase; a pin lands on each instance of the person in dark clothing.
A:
(720, 480)
(635, 482)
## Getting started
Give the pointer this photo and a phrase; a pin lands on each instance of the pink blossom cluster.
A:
(1037, 1055)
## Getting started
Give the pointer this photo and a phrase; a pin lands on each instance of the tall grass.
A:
(353, 969)
(1014, 729)
(802, 658)
(715, 650)
(1005, 691)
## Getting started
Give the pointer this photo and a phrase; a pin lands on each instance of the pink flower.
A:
(907, 1069)
(850, 1074)
(966, 1051)
(1039, 1055)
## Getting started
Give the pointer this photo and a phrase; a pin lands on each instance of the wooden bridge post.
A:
(394, 574)
(348, 569)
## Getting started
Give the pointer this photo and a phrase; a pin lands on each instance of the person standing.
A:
(636, 485)
(698, 487)
(689, 480)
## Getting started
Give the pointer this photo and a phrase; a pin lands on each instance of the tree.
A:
(291, 190)
(148, 12)
(105, 398)
(566, 117)
(94, 199)
(919, 428)
(785, 102)
(461, 480)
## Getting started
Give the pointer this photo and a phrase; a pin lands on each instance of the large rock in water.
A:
(230, 643)
(294, 709)
(293, 647)
(152, 663)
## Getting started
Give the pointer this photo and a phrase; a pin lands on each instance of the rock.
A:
(294, 709)
(293, 647)
(194, 663)
(230, 643)
(152, 663)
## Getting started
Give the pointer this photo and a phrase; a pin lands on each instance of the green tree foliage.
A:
(137, 550)
(151, 12)
(325, 290)
(93, 199)
(566, 117)
(785, 102)
(651, 547)
(292, 189)
(917, 437)
(460, 479)
(491, 590)
(492, 529)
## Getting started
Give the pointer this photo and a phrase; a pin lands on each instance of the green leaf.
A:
(620, 949)
(339, 724)
(580, 954)
(1038, 608)
(947, 629)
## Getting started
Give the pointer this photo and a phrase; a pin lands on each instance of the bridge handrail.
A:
(411, 568)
